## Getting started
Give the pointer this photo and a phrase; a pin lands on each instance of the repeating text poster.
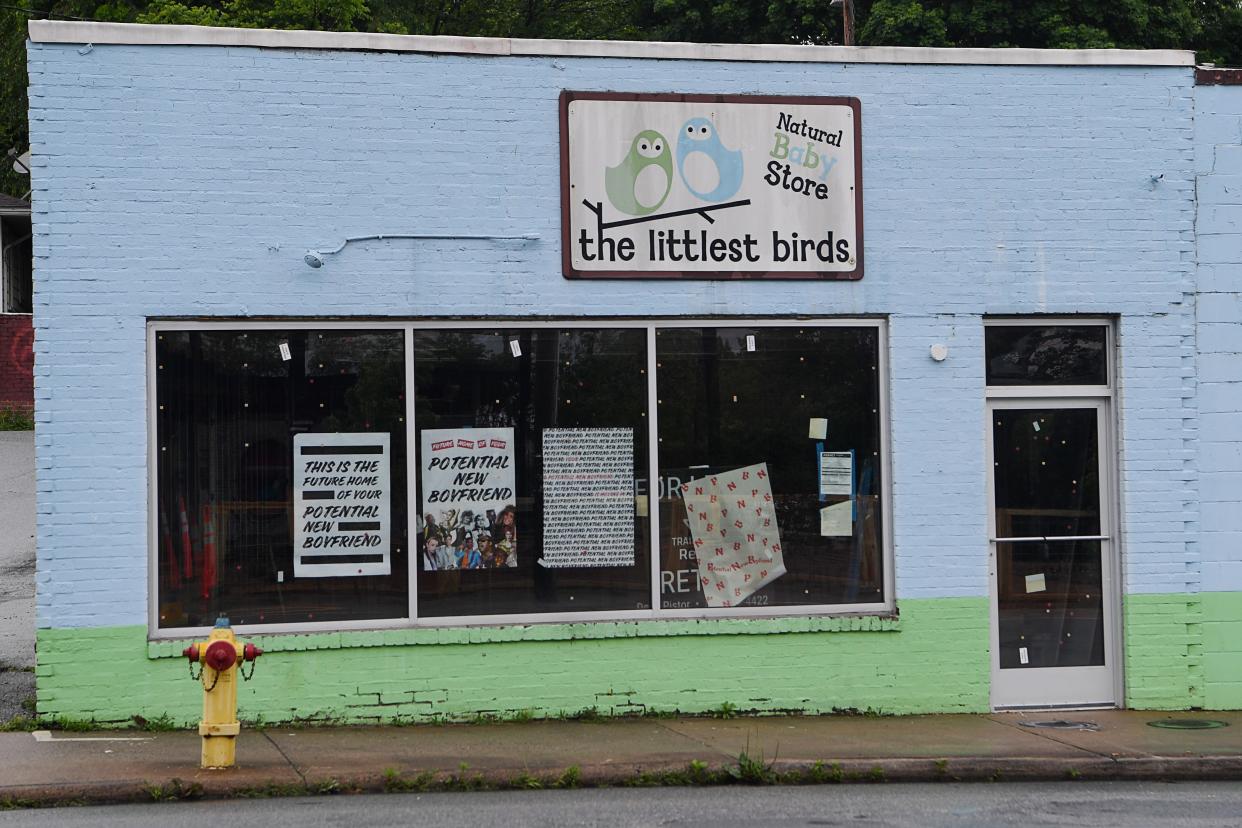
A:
(737, 541)
(341, 505)
(588, 497)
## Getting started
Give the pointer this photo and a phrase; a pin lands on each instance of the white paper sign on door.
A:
(341, 496)
(732, 517)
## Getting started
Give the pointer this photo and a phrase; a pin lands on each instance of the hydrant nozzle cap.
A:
(222, 622)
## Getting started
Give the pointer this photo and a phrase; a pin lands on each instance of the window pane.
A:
(1046, 355)
(786, 423)
(1049, 604)
(1047, 472)
(232, 407)
(529, 442)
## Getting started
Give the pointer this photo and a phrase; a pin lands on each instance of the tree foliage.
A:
(1212, 27)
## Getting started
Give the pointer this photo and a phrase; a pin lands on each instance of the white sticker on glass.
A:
(285, 354)
(515, 347)
(818, 429)
(1022, 656)
(1036, 583)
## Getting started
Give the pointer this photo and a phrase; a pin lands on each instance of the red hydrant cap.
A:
(221, 655)
(191, 652)
(251, 652)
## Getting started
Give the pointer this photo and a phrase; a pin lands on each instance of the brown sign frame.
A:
(570, 272)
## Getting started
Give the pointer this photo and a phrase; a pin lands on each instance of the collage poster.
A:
(469, 514)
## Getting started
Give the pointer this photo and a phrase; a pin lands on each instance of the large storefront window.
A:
(529, 443)
(233, 406)
(774, 437)
(558, 471)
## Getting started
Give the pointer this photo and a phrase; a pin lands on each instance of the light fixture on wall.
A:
(315, 258)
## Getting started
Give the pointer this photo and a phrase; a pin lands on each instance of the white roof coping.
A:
(134, 34)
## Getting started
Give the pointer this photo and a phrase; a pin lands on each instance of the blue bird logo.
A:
(699, 135)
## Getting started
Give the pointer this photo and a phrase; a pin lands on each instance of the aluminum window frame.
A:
(155, 326)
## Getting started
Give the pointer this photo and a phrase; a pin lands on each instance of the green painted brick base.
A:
(1222, 650)
(935, 659)
(1184, 651)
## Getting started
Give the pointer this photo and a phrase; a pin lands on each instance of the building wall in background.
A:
(17, 362)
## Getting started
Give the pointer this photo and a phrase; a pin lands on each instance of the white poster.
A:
(836, 473)
(342, 524)
(469, 514)
(736, 538)
(684, 185)
(588, 497)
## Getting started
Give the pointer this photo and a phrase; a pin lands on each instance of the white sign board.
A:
(342, 524)
(588, 497)
(736, 538)
(710, 186)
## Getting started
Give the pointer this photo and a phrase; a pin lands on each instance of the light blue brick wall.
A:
(1218, 164)
(176, 181)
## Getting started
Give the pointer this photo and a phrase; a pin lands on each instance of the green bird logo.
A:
(642, 181)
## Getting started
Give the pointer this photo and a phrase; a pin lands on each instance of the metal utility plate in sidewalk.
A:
(1126, 734)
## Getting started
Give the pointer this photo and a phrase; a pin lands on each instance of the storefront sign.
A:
(340, 505)
(588, 497)
(469, 506)
(711, 186)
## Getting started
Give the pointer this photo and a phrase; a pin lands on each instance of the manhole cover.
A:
(1062, 724)
(1188, 724)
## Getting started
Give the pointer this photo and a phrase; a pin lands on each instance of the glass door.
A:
(1053, 596)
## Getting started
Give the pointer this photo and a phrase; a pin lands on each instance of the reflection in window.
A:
(231, 406)
(529, 445)
(790, 412)
(1046, 472)
(1050, 604)
(1046, 355)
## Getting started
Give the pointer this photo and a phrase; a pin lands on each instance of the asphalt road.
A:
(1079, 804)
(17, 570)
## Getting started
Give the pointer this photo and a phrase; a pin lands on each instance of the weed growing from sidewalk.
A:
(524, 781)
(571, 778)
(162, 723)
(751, 770)
(726, 710)
(394, 782)
(174, 791)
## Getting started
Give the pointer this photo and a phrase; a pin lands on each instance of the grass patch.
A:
(726, 710)
(11, 419)
(27, 724)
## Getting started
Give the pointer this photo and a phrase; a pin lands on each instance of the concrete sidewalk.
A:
(116, 766)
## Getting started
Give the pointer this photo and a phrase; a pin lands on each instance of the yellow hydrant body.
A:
(220, 655)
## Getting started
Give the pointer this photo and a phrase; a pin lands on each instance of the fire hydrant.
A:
(219, 658)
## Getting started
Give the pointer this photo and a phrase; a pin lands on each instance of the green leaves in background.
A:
(1212, 27)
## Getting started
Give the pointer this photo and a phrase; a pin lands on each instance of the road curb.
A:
(197, 784)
